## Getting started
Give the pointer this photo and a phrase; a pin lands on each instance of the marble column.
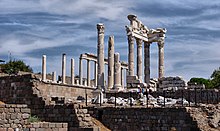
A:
(111, 52)
(95, 73)
(100, 53)
(117, 71)
(161, 59)
(54, 76)
(72, 72)
(139, 58)
(122, 77)
(88, 72)
(131, 55)
(80, 71)
(147, 62)
(44, 68)
(64, 69)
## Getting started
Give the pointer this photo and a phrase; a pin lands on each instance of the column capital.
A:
(100, 28)
(160, 44)
(147, 44)
(130, 38)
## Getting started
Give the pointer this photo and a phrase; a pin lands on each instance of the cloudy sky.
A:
(31, 28)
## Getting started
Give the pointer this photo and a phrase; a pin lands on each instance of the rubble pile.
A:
(207, 116)
(151, 101)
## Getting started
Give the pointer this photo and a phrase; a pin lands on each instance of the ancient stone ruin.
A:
(75, 103)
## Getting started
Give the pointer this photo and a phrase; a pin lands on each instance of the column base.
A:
(98, 96)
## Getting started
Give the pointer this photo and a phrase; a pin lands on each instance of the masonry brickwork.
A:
(145, 119)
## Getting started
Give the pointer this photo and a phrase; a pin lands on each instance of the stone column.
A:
(44, 68)
(100, 53)
(54, 76)
(147, 62)
(95, 73)
(122, 77)
(88, 72)
(111, 52)
(64, 69)
(131, 55)
(117, 71)
(161, 59)
(139, 59)
(80, 71)
(72, 72)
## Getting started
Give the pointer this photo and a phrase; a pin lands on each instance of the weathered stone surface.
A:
(111, 52)
(100, 53)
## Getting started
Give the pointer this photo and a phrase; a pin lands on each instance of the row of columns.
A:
(63, 79)
(88, 72)
(111, 69)
(115, 70)
(146, 58)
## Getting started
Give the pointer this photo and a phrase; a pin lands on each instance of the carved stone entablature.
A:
(138, 30)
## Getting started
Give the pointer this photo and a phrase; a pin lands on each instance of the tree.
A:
(13, 67)
(204, 81)
(215, 78)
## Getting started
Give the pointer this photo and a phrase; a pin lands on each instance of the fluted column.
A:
(64, 69)
(147, 62)
(72, 72)
(111, 52)
(117, 71)
(131, 55)
(44, 67)
(88, 72)
(80, 71)
(161, 59)
(139, 58)
(100, 53)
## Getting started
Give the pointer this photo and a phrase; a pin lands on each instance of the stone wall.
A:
(196, 95)
(48, 126)
(44, 99)
(145, 119)
(27, 89)
(14, 116)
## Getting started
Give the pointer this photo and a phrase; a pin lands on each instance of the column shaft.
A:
(72, 72)
(88, 72)
(54, 76)
(139, 58)
(64, 69)
(44, 68)
(80, 71)
(117, 71)
(147, 62)
(100, 53)
(111, 62)
(122, 77)
(131, 55)
(161, 59)
(95, 73)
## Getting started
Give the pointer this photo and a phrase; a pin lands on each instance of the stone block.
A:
(45, 124)
(65, 125)
(63, 129)
(35, 125)
(52, 125)
(59, 125)
(25, 116)
(25, 110)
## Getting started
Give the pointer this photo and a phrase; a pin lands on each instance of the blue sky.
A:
(31, 28)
